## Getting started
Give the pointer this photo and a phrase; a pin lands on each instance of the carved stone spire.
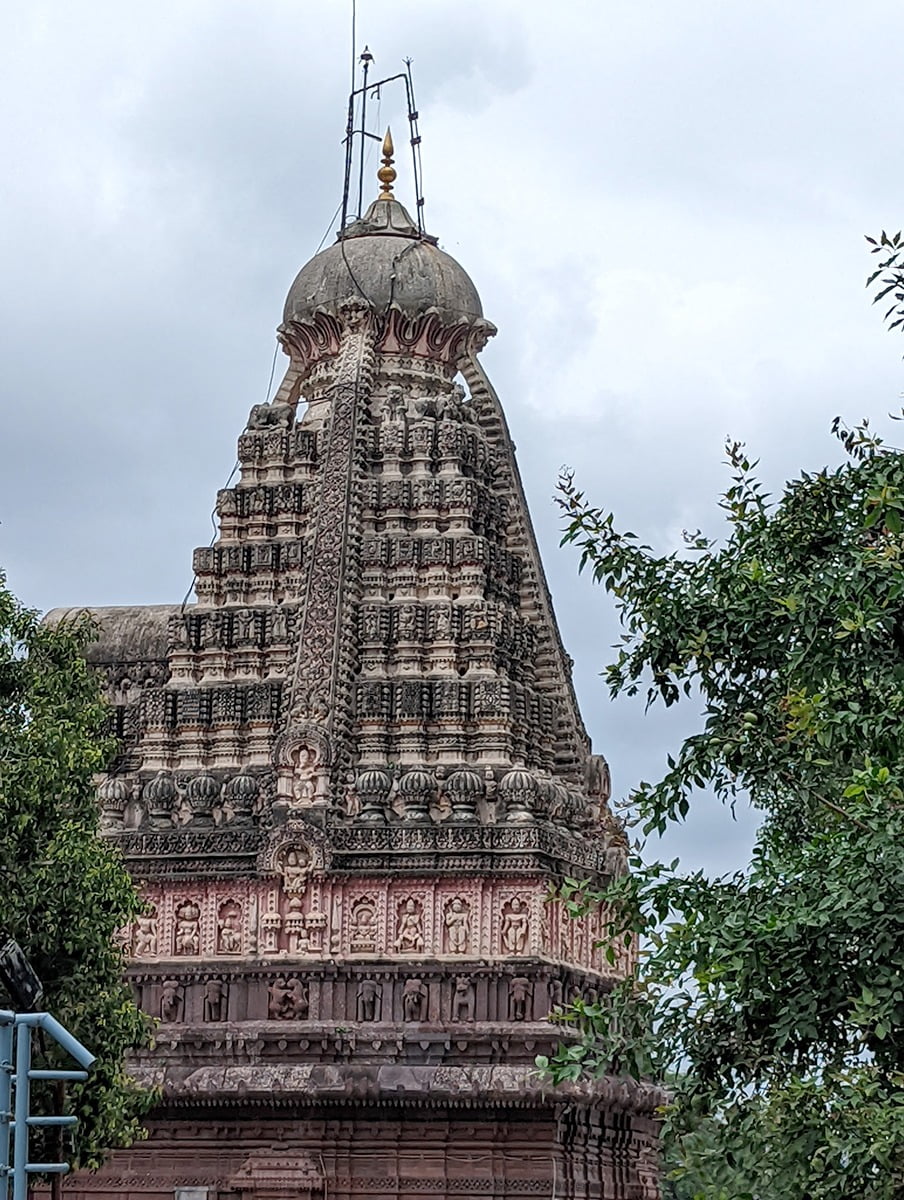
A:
(351, 768)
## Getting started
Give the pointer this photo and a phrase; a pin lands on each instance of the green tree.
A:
(776, 994)
(65, 891)
(888, 277)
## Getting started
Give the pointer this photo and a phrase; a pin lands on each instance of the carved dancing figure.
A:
(458, 926)
(410, 937)
(146, 935)
(515, 926)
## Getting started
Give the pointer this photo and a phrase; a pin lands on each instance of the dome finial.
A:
(387, 173)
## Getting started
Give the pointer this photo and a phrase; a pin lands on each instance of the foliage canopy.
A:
(65, 891)
(775, 996)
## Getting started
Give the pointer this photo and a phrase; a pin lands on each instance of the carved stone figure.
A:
(304, 779)
(519, 998)
(463, 999)
(297, 1001)
(146, 935)
(279, 1000)
(414, 1000)
(295, 866)
(268, 416)
(363, 927)
(369, 996)
(229, 932)
(215, 997)
(458, 926)
(555, 993)
(187, 933)
(171, 1000)
(410, 936)
(515, 926)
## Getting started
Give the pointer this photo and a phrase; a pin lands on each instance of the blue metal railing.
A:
(16, 1077)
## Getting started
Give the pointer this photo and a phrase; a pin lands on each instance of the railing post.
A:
(6, 1082)
(23, 1104)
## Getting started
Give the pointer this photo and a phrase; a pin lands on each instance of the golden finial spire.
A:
(387, 172)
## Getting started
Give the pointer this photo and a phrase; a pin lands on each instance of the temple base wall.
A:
(385, 1152)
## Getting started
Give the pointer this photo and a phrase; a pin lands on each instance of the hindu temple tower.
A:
(350, 770)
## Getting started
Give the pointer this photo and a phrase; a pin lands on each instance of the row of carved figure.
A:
(304, 930)
(289, 998)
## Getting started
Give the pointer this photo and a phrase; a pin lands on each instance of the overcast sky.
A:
(662, 205)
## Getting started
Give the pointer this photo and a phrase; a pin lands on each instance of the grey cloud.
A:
(661, 205)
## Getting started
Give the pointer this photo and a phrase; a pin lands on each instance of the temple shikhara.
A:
(350, 771)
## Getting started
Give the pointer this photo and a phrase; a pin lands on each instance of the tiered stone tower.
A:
(350, 772)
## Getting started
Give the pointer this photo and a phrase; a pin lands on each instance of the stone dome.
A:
(384, 260)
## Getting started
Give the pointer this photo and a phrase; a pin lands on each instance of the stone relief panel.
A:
(303, 913)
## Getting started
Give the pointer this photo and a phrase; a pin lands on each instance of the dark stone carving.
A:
(216, 992)
(171, 1001)
(288, 999)
(414, 1000)
(463, 999)
(369, 1000)
(519, 998)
